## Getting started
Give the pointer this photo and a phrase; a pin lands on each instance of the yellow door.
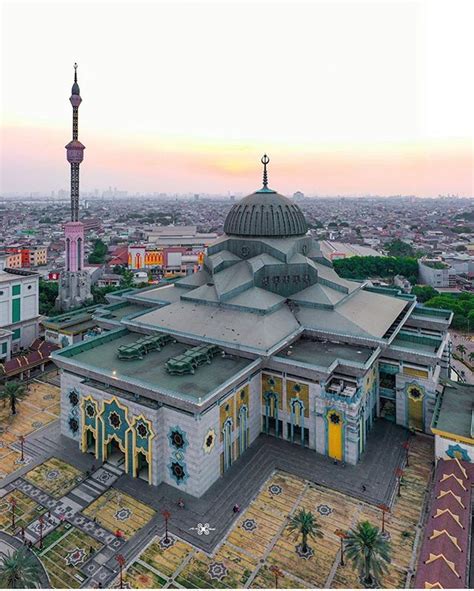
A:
(335, 435)
(415, 408)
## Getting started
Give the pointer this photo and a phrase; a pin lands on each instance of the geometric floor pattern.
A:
(36, 409)
(260, 538)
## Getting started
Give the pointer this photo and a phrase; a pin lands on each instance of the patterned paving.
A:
(65, 554)
(26, 510)
(115, 510)
(38, 408)
(55, 477)
(260, 538)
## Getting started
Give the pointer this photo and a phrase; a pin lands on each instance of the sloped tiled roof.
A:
(444, 552)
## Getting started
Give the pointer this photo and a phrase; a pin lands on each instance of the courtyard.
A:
(39, 407)
(260, 538)
(115, 510)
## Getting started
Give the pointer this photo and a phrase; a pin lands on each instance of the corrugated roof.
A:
(443, 559)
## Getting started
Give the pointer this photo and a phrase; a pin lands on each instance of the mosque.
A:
(266, 337)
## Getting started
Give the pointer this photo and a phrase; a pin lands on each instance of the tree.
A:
(471, 356)
(48, 292)
(99, 252)
(369, 551)
(462, 350)
(398, 248)
(367, 267)
(424, 293)
(20, 570)
(12, 391)
(304, 523)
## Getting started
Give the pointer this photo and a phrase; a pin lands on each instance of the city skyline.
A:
(327, 89)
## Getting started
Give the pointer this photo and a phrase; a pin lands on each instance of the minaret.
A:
(74, 286)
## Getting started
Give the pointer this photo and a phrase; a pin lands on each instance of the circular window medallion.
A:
(73, 398)
(297, 388)
(142, 430)
(415, 393)
(334, 418)
(245, 251)
(73, 424)
(209, 441)
(114, 420)
(90, 410)
(178, 471)
(177, 438)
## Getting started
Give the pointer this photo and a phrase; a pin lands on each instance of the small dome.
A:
(265, 213)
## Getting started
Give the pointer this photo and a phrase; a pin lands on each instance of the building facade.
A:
(265, 338)
(19, 315)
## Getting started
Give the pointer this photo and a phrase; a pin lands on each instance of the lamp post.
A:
(406, 447)
(22, 441)
(121, 562)
(342, 535)
(41, 523)
(399, 474)
(166, 515)
(384, 510)
(13, 506)
(276, 573)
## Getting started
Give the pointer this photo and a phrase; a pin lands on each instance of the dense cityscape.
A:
(240, 389)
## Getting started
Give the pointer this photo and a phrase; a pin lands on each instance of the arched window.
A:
(79, 254)
(243, 428)
(227, 438)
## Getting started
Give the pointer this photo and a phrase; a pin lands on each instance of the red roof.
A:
(445, 550)
(40, 351)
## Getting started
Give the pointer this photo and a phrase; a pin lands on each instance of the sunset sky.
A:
(346, 97)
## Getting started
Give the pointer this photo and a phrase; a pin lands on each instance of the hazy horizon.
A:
(347, 98)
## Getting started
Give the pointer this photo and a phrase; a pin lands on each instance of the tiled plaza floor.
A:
(55, 477)
(64, 553)
(115, 510)
(37, 408)
(260, 538)
(26, 510)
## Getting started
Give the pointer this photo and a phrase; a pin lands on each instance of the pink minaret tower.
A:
(75, 282)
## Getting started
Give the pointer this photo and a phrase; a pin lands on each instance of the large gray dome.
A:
(265, 213)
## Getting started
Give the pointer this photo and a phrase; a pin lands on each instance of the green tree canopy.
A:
(398, 248)
(368, 267)
(99, 252)
(19, 570)
(424, 293)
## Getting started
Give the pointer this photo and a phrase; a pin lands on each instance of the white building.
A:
(18, 310)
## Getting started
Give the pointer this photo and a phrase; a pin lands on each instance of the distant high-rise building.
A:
(74, 283)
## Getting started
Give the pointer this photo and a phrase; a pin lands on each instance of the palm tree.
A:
(369, 552)
(471, 356)
(13, 391)
(461, 349)
(304, 523)
(20, 570)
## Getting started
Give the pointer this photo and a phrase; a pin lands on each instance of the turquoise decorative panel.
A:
(456, 451)
(142, 434)
(115, 421)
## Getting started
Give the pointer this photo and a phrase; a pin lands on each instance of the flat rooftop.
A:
(454, 410)
(124, 310)
(100, 354)
(422, 344)
(323, 353)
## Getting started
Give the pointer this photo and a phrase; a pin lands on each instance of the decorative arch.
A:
(227, 442)
(335, 434)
